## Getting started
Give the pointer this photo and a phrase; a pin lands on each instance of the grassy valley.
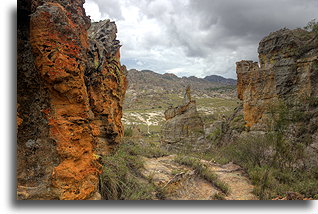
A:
(144, 108)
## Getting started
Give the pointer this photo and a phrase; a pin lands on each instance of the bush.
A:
(128, 132)
(313, 101)
(275, 162)
(215, 135)
(218, 196)
(251, 150)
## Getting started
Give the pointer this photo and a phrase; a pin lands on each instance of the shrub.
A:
(251, 150)
(128, 132)
(274, 161)
(215, 135)
(313, 101)
(218, 196)
(119, 178)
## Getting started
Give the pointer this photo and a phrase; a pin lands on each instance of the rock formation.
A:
(71, 88)
(287, 72)
(287, 75)
(183, 127)
(106, 84)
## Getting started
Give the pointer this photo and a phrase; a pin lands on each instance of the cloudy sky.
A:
(196, 37)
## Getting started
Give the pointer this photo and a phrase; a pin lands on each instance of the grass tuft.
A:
(203, 171)
(121, 180)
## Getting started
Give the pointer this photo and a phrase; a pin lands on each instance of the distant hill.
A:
(147, 87)
(220, 79)
(146, 79)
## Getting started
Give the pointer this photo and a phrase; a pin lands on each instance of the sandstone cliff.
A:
(284, 82)
(71, 88)
(287, 72)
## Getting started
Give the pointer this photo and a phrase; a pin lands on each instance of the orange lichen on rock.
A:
(256, 88)
(60, 58)
(19, 121)
(71, 94)
(106, 85)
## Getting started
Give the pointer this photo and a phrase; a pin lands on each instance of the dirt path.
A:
(180, 182)
(232, 174)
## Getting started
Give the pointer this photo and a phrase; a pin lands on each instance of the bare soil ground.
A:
(180, 182)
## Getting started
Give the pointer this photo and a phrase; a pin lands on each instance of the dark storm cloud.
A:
(247, 21)
(226, 24)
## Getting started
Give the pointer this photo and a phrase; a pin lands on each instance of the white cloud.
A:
(196, 37)
(92, 9)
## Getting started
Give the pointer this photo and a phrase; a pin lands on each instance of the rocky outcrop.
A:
(287, 72)
(255, 93)
(69, 109)
(106, 85)
(283, 84)
(183, 127)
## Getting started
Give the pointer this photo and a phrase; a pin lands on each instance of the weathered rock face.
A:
(183, 127)
(255, 93)
(106, 85)
(69, 110)
(287, 72)
(287, 76)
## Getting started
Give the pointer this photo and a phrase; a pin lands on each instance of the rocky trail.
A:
(180, 182)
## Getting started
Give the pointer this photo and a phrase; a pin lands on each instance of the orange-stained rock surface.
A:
(76, 107)
(106, 84)
(287, 72)
(256, 88)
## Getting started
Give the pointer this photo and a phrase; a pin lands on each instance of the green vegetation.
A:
(275, 162)
(120, 179)
(203, 171)
(215, 135)
(210, 110)
(311, 101)
(315, 66)
(218, 196)
(128, 132)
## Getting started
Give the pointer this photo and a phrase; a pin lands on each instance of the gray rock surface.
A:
(184, 128)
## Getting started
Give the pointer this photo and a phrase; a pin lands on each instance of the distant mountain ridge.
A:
(211, 78)
(155, 87)
(170, 82)
(220, 79)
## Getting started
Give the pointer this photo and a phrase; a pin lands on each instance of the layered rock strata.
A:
(287, 72)
(286, 77)
(69, 109)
